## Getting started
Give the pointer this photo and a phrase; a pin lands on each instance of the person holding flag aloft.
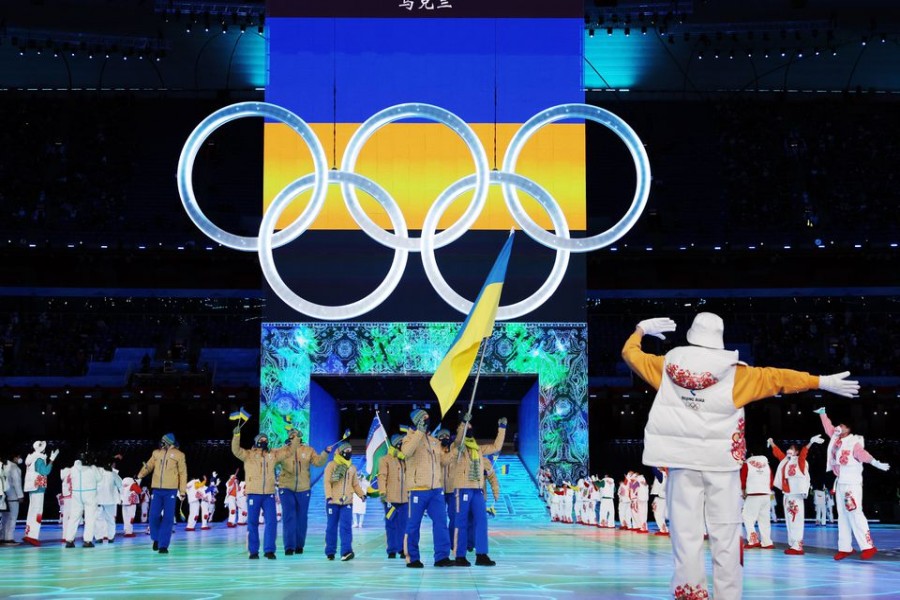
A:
(293, 488)
(468, 484)
(341, 483)
(424, 475)
(169, 469)
(394, 496)
(259, 467)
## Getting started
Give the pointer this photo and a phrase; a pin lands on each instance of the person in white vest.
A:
(131, 498)
(624, 504)
(607, 517)
(37, 467)
(756, 481)
(194, 491)
(660, 477)
(696, 428)
(846, 455)
(819, 504)
(792, 478)
(109, 494)
(14, 496)
(85, 480)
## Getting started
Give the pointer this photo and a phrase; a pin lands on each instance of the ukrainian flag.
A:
(451, 374)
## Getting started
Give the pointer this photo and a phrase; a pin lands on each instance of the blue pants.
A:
(161, 516)
(470, 508)
(266, 503)
(295, 506)
(343, 516)
(433, 502)
(395, 527)
(450, 499)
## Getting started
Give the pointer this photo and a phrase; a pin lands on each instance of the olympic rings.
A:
(229, 113)
(400, 241)
(319, 311)
(641, 165)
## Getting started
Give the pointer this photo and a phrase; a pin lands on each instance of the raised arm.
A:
(497, 446)
(648, 367)
(412, 441)
(318, 459)
(236, 449)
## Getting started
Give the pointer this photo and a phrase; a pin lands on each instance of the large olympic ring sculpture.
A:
(400, 241)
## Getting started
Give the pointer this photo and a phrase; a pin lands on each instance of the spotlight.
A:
(627, 31)
(700, 55)
(783, 53)
(187, 27)
(243, 28)
(716, 53)
(864, 40)
(609, 31)
(883, 38)
(731, 55)
(643, 30)
(590, 32)
(224, 27)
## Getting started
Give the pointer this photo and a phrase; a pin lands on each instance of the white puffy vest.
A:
(659, 487)
(759, 475)
(693, 423)
(643, 491)
(606, 491)
(841, 460)
(798, 480)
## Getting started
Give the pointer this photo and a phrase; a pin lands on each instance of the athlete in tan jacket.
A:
(340, 483)
(468, 481)
(259, 471)
(169, 477)
(293, 489)
(394, 496)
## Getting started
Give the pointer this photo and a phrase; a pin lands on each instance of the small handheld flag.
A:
(343, 437)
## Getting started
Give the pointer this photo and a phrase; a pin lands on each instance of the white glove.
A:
(656, 327)
(769, 442)
(54, 454)
(816, 439)
(821, 409)
(839, 384)
(880, 465)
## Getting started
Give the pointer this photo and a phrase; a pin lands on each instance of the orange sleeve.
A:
(756, 383)
(648, 366)
(777, 452)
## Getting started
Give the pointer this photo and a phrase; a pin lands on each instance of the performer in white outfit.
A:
(231, 494)
(696, 428)
(624, 504)
(773, 503)
(194, 491)
(660, 478)
(594, 499)
(641, 503)
(37, 467)
(64, 495)
(829, 504)
(242, 503)
(208, 501)
(145, 504)
(359, 506)
(607, 516)
(131, 498)
(109, 494)
(85, 480)
(846, 455)
(792, 478)
(819, 504)
(756, 479)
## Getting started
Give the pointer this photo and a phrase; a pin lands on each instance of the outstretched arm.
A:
(647, 366)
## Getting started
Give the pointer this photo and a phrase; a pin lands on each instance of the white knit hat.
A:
(39, 446)
(707, 330)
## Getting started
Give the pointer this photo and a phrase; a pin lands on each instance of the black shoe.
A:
(163, 550)
(298, 551)
(254, 557)
(416, 564)
(331, 557)
(155, 546)
(470, 548)
(348, 556)
(392, 555)
(70, 544)
(270, 555)
(445, 562)
(88, 545)
(461, 561)
(483, 560)
(111, 541)
(289, 552)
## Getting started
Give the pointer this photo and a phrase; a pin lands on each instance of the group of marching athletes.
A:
(439, 474)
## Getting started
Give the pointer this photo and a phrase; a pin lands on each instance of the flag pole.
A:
(472, 399)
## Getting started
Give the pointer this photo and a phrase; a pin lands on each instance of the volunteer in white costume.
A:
(846, 455)
(607, 516)
(194, 491)
(792, 478)
(131, 498)
(109, 494)
(624, 504)
(660, 478)
(37, 467)
(231, 495)
(14, 496)
(756, 480)
(696, 428)
(819, 502)
(85, 479)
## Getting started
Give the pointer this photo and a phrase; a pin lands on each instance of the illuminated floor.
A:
(535, 560)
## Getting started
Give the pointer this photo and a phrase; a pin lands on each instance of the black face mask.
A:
(346, 455)
(262, 444)
(445, 442)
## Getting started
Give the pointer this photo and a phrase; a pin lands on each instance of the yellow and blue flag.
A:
(240, 415)
(454, 369)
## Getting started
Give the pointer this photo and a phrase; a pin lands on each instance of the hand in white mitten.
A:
(656, 327)
(53, 455)
(816, 439)
(880, 465)
(839, 384)
(769, 442)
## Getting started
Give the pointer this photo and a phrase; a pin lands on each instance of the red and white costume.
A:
(639, 503)
(792, 478)
(65, 495)
(131, 498)
(756, 479)
(194, 491)
(242, 503)
(145, 503)
(625, 519)
(231, 494)
(846, 455)
(208, 501)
